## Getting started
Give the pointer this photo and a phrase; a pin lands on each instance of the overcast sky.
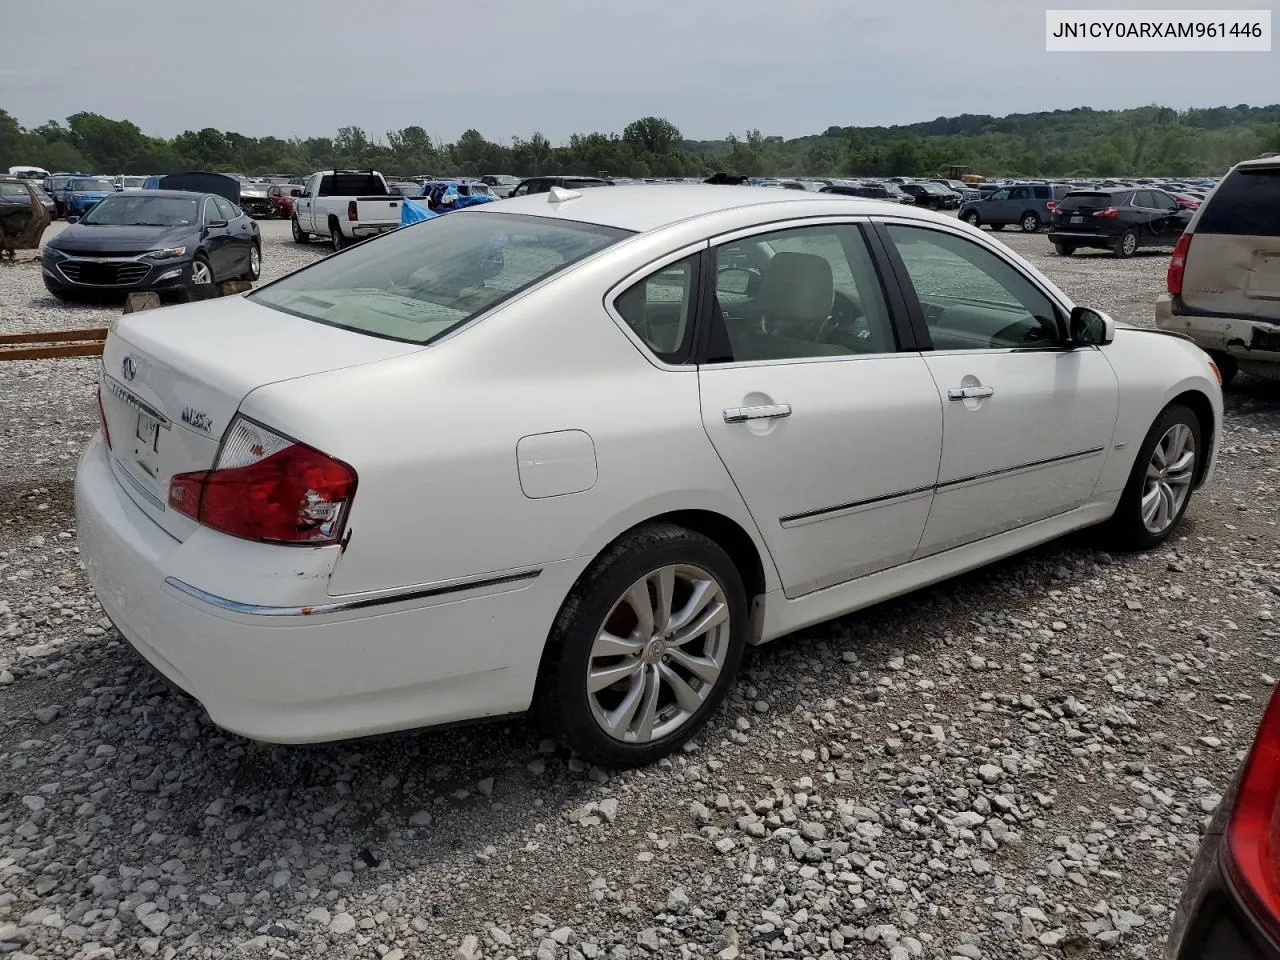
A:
(510, 67)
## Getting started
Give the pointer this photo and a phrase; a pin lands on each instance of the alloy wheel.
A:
(1130, 243)
(1168, 481)
(200, 273)
(659, 653)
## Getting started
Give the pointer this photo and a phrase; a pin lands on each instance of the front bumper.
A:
(282, 669)
(120, 274)
(1254, 344)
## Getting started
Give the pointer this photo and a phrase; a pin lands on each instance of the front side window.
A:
(999, 195)
(418, 283)
(808, 292)
(971, 298)
(660, 308)
(225, 210)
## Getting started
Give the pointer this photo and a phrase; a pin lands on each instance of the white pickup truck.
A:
(346, 206)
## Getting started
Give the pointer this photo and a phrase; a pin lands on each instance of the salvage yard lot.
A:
(1014, 764)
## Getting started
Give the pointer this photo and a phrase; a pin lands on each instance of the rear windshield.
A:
(1247, 204)
(1087, 199)
(92, 186)
(352, 185)
(419, 282)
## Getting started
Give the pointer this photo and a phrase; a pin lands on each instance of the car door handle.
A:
(772, 411)
(969, 393)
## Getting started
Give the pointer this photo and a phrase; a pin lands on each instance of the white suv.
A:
(1224, 278)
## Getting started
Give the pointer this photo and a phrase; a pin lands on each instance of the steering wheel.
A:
(843, 326)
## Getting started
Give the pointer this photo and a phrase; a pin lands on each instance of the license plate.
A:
(148, 433)
(1077, 218)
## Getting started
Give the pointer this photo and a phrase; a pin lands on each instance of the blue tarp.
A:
(414, 212)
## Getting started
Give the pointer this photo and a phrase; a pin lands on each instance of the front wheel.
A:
(1030, 222)
(255, 263)
(1160, 483)
(972, 218)
(298, 235)
(644, 648)
(201, 273)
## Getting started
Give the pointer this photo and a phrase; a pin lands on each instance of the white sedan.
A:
(573, 452)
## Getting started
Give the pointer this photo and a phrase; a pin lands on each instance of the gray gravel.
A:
(1014, 764)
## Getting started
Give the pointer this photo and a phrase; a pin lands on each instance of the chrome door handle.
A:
(969, 393)
(770, 411)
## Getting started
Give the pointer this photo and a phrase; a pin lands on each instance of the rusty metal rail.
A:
(49, 344)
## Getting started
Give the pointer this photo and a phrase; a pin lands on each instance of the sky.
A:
(509, 68)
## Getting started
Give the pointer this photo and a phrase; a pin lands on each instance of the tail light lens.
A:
(269, 488)
(1109, 212)
(1178, 264)
(351, 211)
(1251, 852)
(1050, 205)
(102, 419)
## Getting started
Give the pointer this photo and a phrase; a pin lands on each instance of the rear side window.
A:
(418, 283)
(1246, 203)
(1044, 193)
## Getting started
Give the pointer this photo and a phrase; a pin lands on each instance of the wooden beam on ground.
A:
(54, 336)
(50, 353)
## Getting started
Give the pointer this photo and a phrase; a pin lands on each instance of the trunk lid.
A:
(378, 209)
(1074, 213)
(173, 379)
(1233, 263)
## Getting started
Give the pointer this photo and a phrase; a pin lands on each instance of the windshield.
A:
(419, 282)
(126, 211)
(93, 186)
(134, 182)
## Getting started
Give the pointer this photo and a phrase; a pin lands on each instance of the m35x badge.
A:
(197, 419)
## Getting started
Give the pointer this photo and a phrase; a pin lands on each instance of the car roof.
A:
(646, 207)
(182, 194)
(1260, 162)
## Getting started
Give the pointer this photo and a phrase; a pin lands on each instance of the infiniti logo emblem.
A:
(129, 368)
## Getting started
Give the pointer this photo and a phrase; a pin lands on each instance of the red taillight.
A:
(1109, 212)
(351, 211)
(1050, 205)
(1251, 851)
(267, 487)
(102, 419)
(1178, 264)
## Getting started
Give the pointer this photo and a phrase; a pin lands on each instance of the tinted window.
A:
(1162, 201)
(13, 190)
(660, 307)
(351, 185)
(1044, 193)
(971, 298)
(810, 292)
(225, 210)
(1246, 203)
(127, 209)
(418, 283)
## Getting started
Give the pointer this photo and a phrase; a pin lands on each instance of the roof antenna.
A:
(560, 194)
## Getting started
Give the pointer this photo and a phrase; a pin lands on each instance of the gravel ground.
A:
(1014, 764)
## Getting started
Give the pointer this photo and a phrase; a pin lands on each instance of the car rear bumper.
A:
(1079, 238)
(1252, 342)
(307, 670)
(1211, 922)
(373, 229)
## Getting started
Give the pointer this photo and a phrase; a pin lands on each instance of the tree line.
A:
(1147, 141)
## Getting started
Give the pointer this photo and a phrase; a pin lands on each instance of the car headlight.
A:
(53, 255)
(168, 253)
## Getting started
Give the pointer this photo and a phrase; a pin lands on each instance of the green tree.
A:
(652, 135)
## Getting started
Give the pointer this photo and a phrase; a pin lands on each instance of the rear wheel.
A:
(1030, 222)
(1228, 366)
(996, 226)
(644, 648)
(1064, 249)
(1127, 245)
(298, 235)
(336, 239)
(1160, 483)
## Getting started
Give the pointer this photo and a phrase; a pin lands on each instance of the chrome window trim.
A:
(617, 289)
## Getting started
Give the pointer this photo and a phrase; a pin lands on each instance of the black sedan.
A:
(1231, 905)
(1117, 220)
(161, 240)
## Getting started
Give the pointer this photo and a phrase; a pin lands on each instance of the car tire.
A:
(973, 219)
(996, 226)
(255, 263)
(1227, 365)
(600, 626)
(298, 235)
(336, 239)
(200, 268)
(1176, 431)
(1126, 245)
(1064, 249)
(1030, 222)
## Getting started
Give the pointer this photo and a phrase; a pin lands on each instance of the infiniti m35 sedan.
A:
(573, 452)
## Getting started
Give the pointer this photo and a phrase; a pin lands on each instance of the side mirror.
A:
(1091, 328)
(734, 280)
(73, 219)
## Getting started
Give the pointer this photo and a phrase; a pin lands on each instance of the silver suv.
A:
(1224, 278)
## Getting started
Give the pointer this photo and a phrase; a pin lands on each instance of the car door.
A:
(304, 206)
(1018, 203)
(995, 209)
(1171, 220)
(830, 431)
(1027, 420)
(239, 236)
(215, 240)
